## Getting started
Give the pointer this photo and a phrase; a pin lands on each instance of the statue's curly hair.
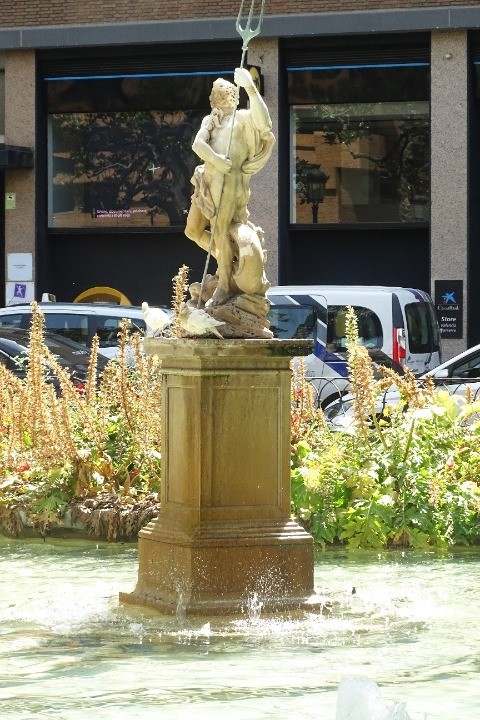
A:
(224, 93)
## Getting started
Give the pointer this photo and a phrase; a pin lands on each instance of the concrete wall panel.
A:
(449, 227)
(263, 204)
(20, 130)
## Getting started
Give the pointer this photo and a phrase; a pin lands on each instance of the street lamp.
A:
(420, 207)
(314, 182)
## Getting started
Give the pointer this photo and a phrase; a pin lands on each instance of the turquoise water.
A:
(70, 651)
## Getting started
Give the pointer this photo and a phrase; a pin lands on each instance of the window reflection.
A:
(121, 169)
(292, 321)
(119, 139)
(376, 157)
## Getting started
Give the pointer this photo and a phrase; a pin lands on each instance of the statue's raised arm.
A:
(260, 115)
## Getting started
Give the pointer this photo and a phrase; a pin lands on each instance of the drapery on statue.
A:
(236, 294)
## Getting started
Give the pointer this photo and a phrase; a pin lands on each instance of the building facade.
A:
(374, 178)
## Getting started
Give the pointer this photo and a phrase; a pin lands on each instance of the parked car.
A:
(14, 350)
(397, 325)
(454, 375)
(79, 321)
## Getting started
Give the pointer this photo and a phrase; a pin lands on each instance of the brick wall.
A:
(63, 12)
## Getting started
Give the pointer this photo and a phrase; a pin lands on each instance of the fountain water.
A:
(69, 650)
(254, 607)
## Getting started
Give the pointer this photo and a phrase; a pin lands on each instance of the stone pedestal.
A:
(225, 531)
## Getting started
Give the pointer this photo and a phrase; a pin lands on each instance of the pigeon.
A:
(198, 322)
(155, 318)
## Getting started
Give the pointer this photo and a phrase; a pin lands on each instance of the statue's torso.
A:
(239, 146)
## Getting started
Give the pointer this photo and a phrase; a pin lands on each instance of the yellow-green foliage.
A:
(409, 476)
(179, 292)
(106, 438)
(306, 418)
(361, 375)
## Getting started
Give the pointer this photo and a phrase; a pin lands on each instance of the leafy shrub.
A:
(408, 479)
(54, 447)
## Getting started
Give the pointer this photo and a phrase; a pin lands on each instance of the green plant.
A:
(56, 446)
(408, 479)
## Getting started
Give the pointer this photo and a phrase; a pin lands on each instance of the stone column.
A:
(449, 152)
(20, 93)
(225, 533)
(263, 203)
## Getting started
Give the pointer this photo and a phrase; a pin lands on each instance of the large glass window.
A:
(119, 146)
(121, 169)
(359, 143)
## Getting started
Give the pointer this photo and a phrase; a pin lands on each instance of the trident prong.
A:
(248, 32)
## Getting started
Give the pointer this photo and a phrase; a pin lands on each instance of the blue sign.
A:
(20, 291)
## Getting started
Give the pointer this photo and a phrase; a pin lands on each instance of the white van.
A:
(397, 325)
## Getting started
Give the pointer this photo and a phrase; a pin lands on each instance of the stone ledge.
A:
(101, 517)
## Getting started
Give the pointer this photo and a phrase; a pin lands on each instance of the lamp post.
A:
(314, 181)
(420, 207)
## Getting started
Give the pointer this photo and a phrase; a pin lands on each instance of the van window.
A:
(73, 327)
(370, 331)
(292, 321)
(108, 327)
(423, 334)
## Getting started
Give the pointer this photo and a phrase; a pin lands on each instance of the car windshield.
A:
(292, 321)
(108, 328)
(423, 334)
(68, 355)
(69, 325)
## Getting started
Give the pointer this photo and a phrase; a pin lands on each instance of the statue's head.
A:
(223, 95)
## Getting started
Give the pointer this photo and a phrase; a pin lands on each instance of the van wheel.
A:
(330, 399)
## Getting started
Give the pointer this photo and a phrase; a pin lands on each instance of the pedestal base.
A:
(213, 608)
(224, 567)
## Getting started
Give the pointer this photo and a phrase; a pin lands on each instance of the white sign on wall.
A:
(20, 267)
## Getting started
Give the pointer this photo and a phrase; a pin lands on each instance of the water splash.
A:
(181, 612)
(205, 631)
(360, 699)
(254, 607)
(408, 626)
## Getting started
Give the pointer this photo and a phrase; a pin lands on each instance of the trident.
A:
(247, 33)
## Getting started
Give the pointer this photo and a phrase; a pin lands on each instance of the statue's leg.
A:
(195, 228)
(224, 256)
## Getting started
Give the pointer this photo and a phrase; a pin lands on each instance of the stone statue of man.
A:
(221, 183)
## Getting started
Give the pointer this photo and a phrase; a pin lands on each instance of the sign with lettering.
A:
(449, 307)
(19, 267)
